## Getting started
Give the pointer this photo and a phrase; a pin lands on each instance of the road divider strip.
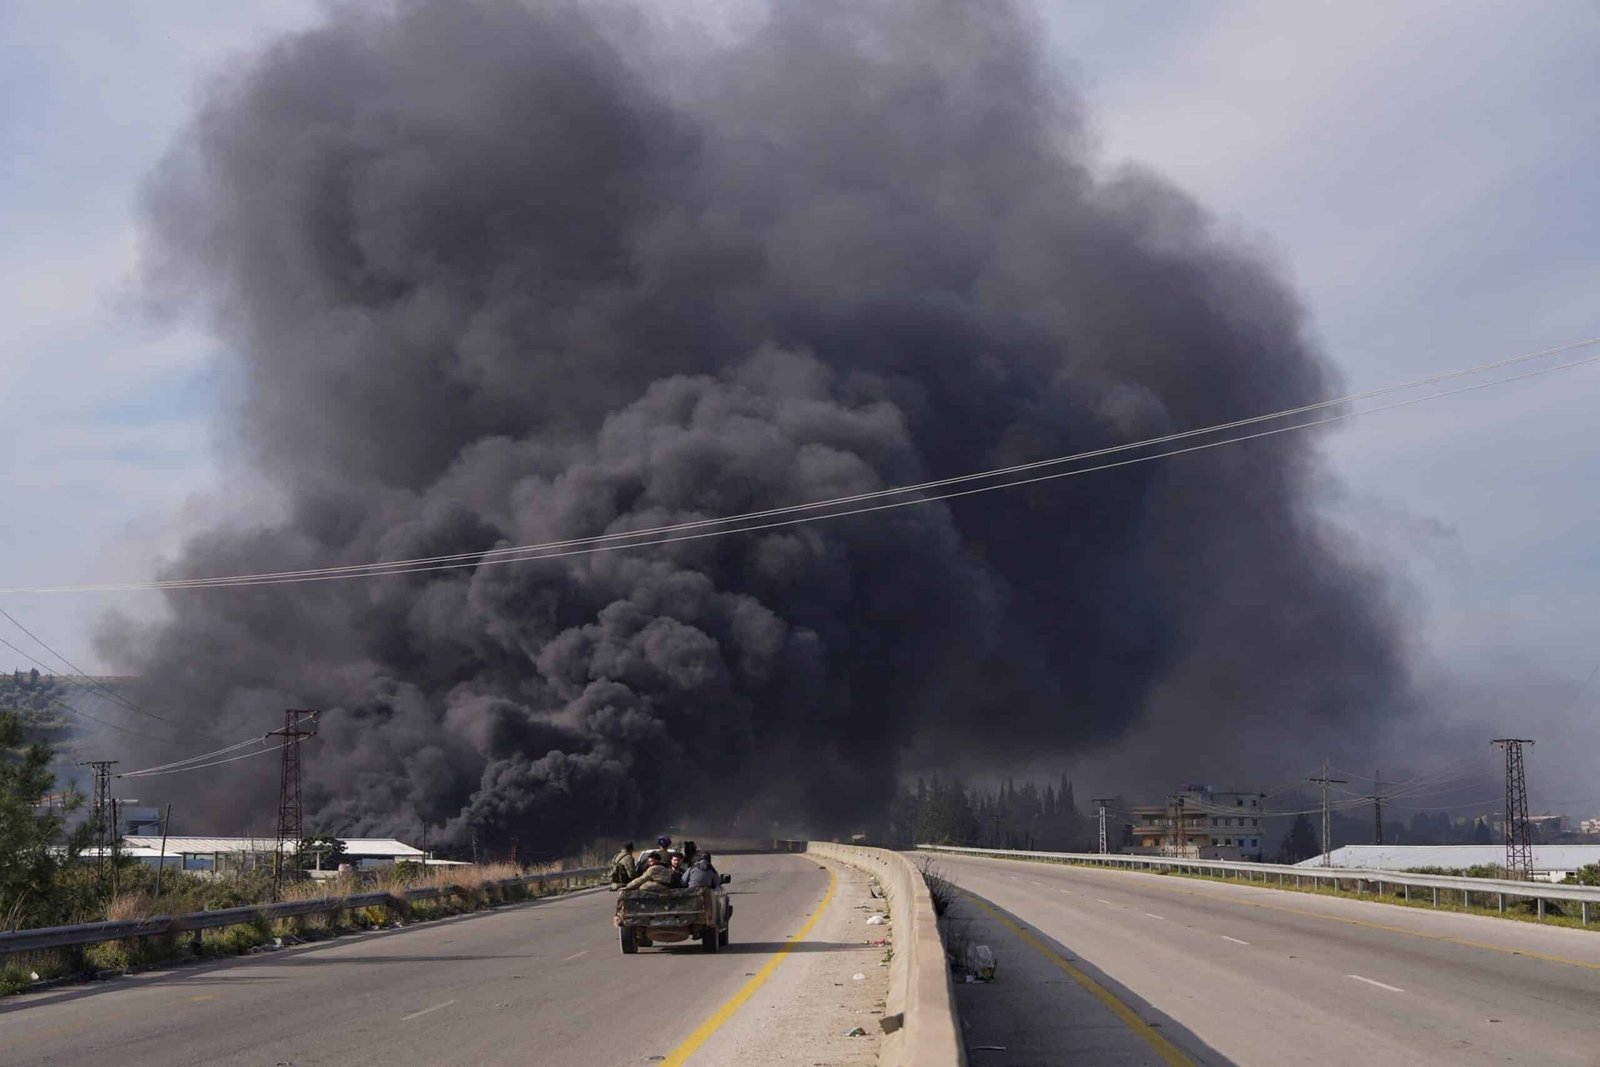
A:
(1169, 1053)
(691, 1044)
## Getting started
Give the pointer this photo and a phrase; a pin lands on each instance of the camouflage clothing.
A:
(623, 869)
(654, 879)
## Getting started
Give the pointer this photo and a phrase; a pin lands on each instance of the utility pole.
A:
(1179, 830)
(1102, 802)
(102, 788)
(1519, 846)
(1377, 808)
(1327, 860)
(290, 824)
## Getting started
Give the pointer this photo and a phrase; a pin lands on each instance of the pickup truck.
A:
(646, 918)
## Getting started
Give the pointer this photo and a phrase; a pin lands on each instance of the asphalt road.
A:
(1211, 972)
(539, 983)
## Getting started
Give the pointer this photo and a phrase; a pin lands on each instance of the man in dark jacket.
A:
(702, 875)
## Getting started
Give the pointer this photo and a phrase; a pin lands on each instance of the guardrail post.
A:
(1541, 907)
(1436, 896)
(1407, 889)
(1584, 904)
(194, 943)
(1502, 897)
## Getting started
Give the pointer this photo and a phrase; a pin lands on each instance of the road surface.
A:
(1213, 972)
(539, 983)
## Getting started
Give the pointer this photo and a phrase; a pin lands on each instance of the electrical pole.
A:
(102, 788)
(1179, 830)
(1327, 859)
(1102, 802)
(290, 828)
(1519, 846)
(1377, 808)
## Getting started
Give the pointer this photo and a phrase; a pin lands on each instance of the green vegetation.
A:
(940, 812)
(43, 882)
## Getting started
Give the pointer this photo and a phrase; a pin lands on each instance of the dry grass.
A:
(472, 888)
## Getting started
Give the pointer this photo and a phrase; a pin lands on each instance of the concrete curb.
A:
(920, 1028)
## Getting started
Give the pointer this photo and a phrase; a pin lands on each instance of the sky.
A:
(1425, 172)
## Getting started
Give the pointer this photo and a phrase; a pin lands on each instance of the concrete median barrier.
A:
(919, 1022)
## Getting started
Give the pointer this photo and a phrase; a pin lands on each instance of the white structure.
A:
(1590, 826)
(245, 853)
(1551, 863)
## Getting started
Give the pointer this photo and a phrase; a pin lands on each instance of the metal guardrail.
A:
(1587, 897)
(56, 937)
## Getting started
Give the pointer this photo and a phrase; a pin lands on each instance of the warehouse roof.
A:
(1407, 857)
(353, 846)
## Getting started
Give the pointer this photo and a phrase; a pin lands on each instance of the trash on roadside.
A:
(878, 942)
(981, 962)
(855, 1031)
(876, 920)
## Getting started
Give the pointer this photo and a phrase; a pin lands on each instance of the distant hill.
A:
(38, 698)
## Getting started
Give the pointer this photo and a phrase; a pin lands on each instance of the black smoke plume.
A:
(495, 273)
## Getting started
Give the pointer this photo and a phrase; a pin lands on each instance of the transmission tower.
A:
(1327, 824)
(102, 790)
(289, 812)
(1519, 844)
(1102, 802)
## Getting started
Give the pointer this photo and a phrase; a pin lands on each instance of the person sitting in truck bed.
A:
(655, 878)
(702, 875)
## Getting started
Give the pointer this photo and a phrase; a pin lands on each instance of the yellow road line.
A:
(1170, 1054)
(692, 1043)
(1346, 920)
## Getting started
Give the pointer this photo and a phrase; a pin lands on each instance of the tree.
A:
(1588, 874)
(30, 890)
(1481, 834)
(321, 852)
(1300, 843)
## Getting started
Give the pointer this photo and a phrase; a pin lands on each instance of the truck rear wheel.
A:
(630, 944)
(722, 937)
(710, 939)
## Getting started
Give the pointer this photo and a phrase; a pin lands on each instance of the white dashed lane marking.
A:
(1380, 985)
(425, 1011)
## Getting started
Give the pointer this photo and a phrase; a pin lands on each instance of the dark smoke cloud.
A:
(497, 273)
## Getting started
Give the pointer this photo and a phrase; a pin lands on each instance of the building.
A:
(250, 853)
(1590, 826)
(1551, 863)
(1199, 822)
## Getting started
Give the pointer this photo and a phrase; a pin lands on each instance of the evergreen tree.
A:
(30, 866)
(1300, 843)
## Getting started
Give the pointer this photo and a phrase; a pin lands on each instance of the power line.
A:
(89, 681)
(629, 539)
(69, 709)
(196, 762)
(202, 766)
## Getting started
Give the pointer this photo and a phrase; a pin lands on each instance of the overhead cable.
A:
(696, 529)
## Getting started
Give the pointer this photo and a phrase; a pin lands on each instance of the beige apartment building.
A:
(1199, 822)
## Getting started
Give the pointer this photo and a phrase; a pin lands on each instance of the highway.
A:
(1192, 971)
(536, 983)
